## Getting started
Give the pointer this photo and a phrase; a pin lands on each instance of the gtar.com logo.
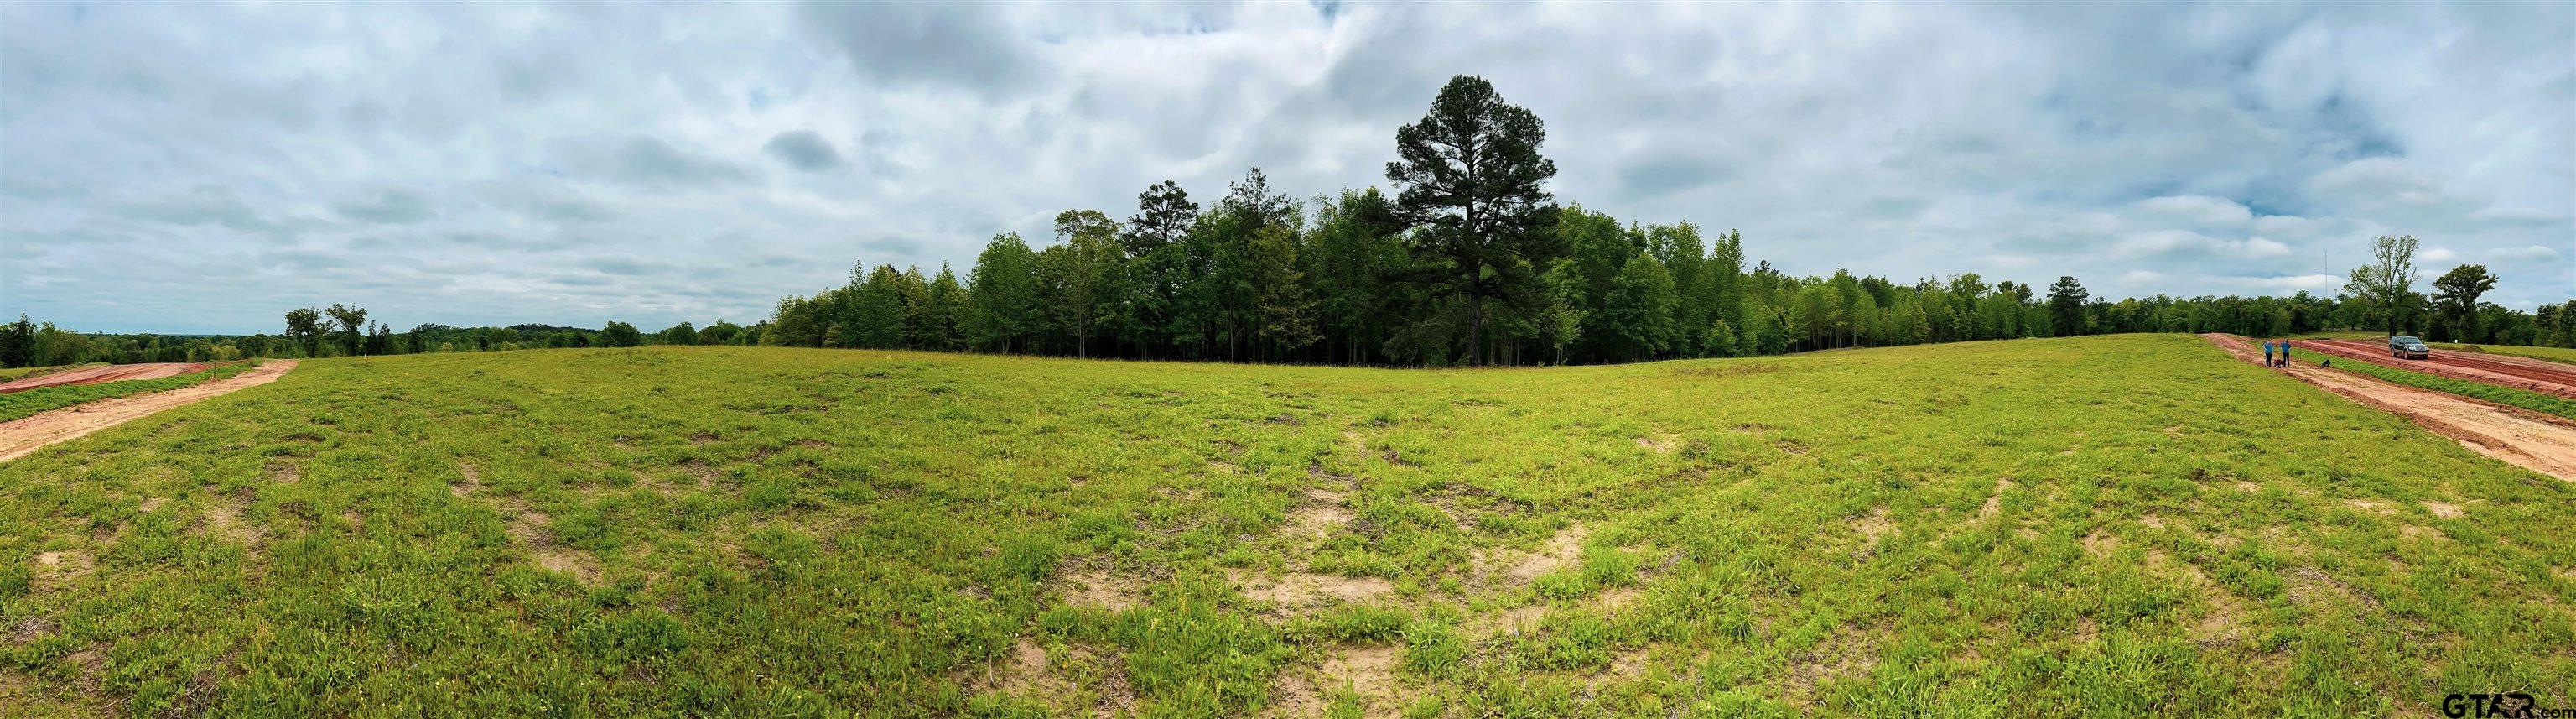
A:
(2510, 705)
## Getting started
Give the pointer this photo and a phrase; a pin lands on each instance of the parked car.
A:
(2408, 347)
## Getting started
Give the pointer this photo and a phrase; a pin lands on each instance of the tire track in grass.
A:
(20, 437)
(2523, 438)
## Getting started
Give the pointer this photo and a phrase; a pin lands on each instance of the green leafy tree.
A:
(721, 333)
(940, 317)
(679, 334)
(1641, 309)
(352, 322)
(2066, 306)
(620, 334)
(1002, 300)
(1085, 273)
(2455, 297)
(304, 330)
(18, 343)
(2386, 284)
(1470, 173)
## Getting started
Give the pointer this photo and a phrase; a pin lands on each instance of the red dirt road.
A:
(2539, 442)
(2533, 375)
(110, 373)
(21, 436)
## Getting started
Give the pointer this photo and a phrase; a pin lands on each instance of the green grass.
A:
(2526, 399)
(2553, 354)
(2101, 526)
(17, 405)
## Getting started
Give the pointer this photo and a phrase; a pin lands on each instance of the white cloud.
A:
(507, 163)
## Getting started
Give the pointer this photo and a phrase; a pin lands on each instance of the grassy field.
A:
(2107, 526)
(21, 404)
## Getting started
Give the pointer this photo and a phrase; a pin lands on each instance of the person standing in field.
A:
(2285, 354)
(2267, 353)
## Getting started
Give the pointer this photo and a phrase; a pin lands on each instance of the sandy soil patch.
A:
(28, 434)
(110, 373)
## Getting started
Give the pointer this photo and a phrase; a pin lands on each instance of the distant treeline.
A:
(340, 331)
(1472, 260)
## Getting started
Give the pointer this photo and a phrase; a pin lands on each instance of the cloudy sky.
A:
(204, 168)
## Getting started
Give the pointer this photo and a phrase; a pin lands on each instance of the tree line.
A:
(340, 331)
(1471, 261)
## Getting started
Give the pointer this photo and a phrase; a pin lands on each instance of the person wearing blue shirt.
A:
(2267, 353)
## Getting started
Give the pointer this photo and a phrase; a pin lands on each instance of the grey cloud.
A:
(652, 162)
(2184, 149)
(958, 44)
(804, 150)
(627, 266)
(393, 207)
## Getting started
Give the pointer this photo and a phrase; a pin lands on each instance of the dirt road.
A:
(110, 373)
(19, 437)
(2535, 375)
(2540, 442)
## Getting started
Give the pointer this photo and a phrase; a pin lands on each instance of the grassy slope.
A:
(780, 531)
(17, 405)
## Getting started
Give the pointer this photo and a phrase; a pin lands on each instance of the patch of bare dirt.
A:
(472, 479)
(2309, 586)
(2444, 510)
(1995, 502)
(2101, 543)
(2226, 619)
(1028, 672)
(25, 435)
(2372, 506)
(1874, 527)
(529, 529)
(1561, 551)
(285, 472)
(2540, 442)
(1846, 654)
(1304, 590)
(32, 629)
(110, 373)
(1321, 515)
(1367, 671)
(1096, 588)
(224, 519)
(1659, 444)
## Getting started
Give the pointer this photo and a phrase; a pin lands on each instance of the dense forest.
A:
(1470, 261)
